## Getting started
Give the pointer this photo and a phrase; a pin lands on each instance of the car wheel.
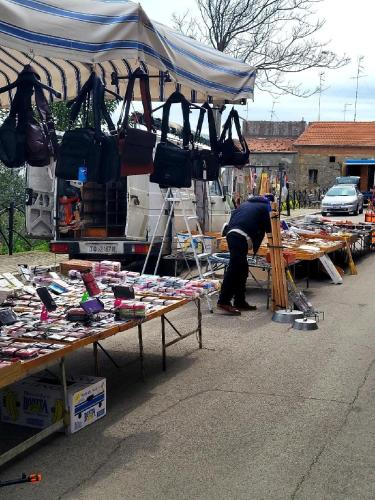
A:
(356, 211)
(361, 210)
(324, 214)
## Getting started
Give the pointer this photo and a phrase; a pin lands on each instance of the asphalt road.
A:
(262, 412)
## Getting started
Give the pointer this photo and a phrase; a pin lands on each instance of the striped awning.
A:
(67, 39)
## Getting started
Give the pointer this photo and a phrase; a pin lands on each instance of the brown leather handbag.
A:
(136, 146)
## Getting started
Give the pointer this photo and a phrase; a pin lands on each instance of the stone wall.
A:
(329, 163)
(327, 171)
(266, 129)
(274, 159)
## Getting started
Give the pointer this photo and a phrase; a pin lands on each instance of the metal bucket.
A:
(286, 316)
(305, 324)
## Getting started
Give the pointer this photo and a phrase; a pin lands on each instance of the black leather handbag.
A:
(230, 153)
(173, 164)
(109, 168)
(13, 133)
(41, 139)
(136, 145)
(206, 164)
(12, 143)
(23, 138)
(88, 148)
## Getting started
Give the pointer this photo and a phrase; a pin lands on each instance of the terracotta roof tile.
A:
(270, 145)
(338, 134)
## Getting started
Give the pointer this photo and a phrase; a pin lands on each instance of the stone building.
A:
(271, 144)
(327, 150)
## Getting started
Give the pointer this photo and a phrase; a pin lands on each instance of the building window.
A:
(313, 176)
(332, 159)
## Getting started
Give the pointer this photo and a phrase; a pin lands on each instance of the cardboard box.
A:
(210, 244)
(185, 243)
(38, 402)
(79, 265)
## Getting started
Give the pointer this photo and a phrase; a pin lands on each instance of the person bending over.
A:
(245, 231)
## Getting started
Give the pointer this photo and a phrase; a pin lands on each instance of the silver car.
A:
(343, 198)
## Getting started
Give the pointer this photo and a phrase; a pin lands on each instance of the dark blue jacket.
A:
(252, 217)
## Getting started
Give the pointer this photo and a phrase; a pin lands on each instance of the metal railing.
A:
(9, 232)
(303, 199)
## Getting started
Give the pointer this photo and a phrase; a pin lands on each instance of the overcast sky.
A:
(349, 27)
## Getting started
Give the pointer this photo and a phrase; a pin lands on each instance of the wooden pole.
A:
(279, 285)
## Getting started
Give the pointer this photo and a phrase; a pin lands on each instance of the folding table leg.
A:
(140, 341)
(65, 393)
(96, 361)
(164, 350)
(199, 323)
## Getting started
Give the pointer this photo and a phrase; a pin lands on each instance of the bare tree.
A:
(278, 37)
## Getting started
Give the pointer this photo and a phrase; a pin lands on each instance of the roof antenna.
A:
(320, 90)
(357, 77)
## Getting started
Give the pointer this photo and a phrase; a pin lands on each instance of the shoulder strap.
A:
(46, 116)
(146, 102)
(176, 98)
(145, 97)
(15, 104)
(107, 117)
(98, 105)
(227, 127)
(237, 124)
(206, 109)
(81, 98)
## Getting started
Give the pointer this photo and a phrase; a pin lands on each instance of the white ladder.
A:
(172, 197)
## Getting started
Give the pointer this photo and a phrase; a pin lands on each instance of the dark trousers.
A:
(234, 283)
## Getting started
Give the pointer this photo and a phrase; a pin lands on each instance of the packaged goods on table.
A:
(31, 335)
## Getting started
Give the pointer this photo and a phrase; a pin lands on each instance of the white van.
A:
(115, 221)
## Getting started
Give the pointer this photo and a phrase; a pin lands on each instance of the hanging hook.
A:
(31, 56)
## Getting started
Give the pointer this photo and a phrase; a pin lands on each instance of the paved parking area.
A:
(9, 263)
(262, 412)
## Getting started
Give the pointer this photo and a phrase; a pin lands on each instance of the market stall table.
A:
(19, 370)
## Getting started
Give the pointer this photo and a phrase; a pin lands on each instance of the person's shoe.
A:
(244, 306)
(229, 309)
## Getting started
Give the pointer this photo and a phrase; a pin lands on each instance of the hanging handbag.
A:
(87, 153)
(109, 169)
(22, 137)
(172, 163)
(79, 152)
(13, 136)
(206, 165)
(41, 140)
(136, 146)
(231, 154)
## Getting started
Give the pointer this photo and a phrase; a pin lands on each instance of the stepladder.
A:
(177, 204)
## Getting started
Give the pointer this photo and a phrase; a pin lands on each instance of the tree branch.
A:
(275, 36)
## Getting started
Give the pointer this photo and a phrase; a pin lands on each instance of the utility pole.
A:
(321, 81)
(346, 105)
(357, 77)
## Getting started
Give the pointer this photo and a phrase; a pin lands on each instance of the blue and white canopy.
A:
(66, 38)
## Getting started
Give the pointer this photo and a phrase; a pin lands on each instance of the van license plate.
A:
(100, 248)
